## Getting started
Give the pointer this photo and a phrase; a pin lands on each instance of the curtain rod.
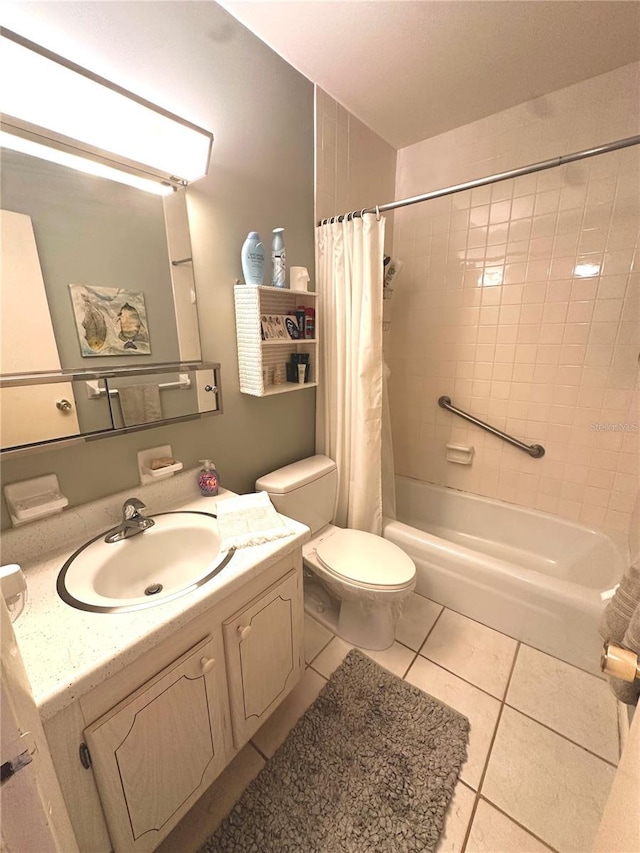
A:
(494, 179)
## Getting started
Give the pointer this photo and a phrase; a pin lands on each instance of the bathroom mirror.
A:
(102, 286)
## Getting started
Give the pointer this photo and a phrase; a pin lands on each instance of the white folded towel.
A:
(249, 520)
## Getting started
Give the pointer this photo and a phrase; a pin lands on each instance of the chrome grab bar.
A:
(535, 450)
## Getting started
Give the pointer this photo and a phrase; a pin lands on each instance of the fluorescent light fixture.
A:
(45, 95)
(81, 164)
(586, 270)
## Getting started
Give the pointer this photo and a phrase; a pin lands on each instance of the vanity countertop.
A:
(67, 652)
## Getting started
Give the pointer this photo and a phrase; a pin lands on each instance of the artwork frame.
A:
(110, 321)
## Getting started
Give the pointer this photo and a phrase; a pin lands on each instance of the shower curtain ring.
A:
(377, 213)
(362, 212)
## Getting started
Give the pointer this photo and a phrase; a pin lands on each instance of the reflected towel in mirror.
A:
(140, 404)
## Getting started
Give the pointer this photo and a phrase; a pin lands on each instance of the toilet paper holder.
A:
(620, 663)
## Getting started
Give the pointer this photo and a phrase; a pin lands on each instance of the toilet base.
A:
(320, 604)
(360, 623)
(366, 626)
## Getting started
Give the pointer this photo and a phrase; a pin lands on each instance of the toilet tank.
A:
(305, 490)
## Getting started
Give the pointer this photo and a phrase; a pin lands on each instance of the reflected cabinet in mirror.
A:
(48, 408)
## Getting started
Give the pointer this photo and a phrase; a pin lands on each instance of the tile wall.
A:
(355, 167)
(521, 301)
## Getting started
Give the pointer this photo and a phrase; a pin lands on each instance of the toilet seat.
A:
(366, 560)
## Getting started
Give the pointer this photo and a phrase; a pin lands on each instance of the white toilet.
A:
(364, 578)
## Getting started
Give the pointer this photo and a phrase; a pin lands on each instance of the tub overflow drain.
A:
(153, 588)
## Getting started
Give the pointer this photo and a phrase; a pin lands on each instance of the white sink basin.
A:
(174, 557)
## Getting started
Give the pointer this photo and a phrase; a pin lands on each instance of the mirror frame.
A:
(19, 380)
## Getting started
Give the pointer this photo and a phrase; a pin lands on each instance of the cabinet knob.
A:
(244, 631)
(207, 664)
(63, 405)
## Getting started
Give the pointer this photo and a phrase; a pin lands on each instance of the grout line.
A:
(502, 704)
(321, 650)
(489, 751)
(430, 631)
(517, 822)
(528, 645)
(472, 817)
(318, 673)
(560, 734)
(258, 750)
(416, 654)
(462, 678)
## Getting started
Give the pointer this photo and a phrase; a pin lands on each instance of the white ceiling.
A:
(411, 69)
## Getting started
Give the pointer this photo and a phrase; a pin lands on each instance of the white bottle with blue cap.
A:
(252, 257)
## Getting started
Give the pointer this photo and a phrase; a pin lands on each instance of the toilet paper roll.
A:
(298, 278)
(620, 663)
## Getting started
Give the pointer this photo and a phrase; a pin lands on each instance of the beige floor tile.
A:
(316, 637)
(457, 820)
(552, 787)
(492, 832)
(480, 709)
(418, 615)
(574, 703)
(214, 805)
(331, 656)
(396, 658)
(274, 732)
(471, 650)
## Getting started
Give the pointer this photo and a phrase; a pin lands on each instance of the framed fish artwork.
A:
(110, 320)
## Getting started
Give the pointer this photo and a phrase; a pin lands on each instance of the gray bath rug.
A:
(369, 768)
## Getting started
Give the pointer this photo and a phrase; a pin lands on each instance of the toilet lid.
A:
(366, 559)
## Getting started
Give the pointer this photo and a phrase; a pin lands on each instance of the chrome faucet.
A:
(133, 521)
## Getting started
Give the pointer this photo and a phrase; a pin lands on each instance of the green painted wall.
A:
(196, 60)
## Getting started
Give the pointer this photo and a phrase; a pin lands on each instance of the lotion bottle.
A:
(208, 479)
(279, 258)
(252, 257)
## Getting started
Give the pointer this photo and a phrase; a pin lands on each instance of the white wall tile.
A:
(355, 168)
(489, 310)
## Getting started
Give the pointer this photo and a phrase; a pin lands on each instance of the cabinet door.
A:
(264, 654)
(157, 751)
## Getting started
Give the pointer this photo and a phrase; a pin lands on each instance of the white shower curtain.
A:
(349, 416)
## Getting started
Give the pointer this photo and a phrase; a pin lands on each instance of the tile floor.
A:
(543, 743)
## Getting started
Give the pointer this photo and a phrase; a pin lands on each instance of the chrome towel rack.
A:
(94, 390)
(535, 450)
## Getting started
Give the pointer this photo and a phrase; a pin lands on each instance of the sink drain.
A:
(153, 588)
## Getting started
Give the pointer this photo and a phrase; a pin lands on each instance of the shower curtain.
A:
(349, 414)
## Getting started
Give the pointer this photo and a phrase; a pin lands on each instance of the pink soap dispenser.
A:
(208, 479)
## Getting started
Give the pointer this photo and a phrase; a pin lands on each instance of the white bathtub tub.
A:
(528, 574)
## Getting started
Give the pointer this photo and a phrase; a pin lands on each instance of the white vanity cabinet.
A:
(158, 750)
(264, 653)
(159, 731)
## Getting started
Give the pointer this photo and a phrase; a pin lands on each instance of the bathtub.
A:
(528, 574)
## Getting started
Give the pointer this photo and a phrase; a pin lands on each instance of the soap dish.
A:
(149, 475)
(34, 499)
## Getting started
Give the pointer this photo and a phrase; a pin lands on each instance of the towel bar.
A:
(94, 390)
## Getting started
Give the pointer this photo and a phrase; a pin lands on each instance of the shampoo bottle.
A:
(279, 258)
(208, 479)
(252, 257)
